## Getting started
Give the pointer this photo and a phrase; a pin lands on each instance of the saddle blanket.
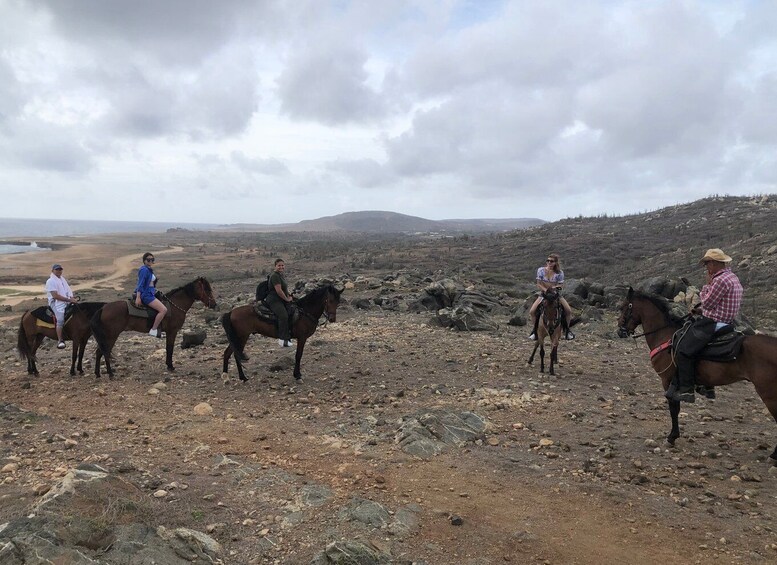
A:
(143, 312)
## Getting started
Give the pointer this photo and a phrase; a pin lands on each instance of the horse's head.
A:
(204, 293)
(331, 302)
(550, 295)
(629, 319)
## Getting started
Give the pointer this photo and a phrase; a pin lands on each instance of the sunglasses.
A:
(550, 260)
(150, 259)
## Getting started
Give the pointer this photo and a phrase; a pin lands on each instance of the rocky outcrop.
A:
(92, 516)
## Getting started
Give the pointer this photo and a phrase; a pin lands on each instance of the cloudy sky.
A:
(266, 111)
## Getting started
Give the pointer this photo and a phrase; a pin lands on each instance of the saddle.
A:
(263, 311)
(142, 312)
(44, 316)
(725, 344)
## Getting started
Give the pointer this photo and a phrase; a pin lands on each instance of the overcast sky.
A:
(263, 111)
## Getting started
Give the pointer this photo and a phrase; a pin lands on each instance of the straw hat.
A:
(715, 255)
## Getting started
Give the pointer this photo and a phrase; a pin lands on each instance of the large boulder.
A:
(428, 433)
(465, 318)
(92, 516)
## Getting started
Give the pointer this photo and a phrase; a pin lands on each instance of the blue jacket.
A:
(144, 288)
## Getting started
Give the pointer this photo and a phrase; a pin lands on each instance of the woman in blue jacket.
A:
(145, 293)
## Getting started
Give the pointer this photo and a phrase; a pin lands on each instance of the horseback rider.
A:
(145, 293)
(59, 295)
(721, 299)
(548, 277)
(278, 300)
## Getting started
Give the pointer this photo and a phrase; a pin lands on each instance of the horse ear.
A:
(630, 293)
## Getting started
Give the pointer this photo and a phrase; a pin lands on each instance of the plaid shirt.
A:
(721, 299)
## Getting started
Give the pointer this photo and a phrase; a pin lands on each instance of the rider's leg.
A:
(535, 319)
(59, 320)
(695, 339)
(161, 311)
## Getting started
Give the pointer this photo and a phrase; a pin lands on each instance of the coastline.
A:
(95, 265)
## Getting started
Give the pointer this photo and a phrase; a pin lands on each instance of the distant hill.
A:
(375, 221)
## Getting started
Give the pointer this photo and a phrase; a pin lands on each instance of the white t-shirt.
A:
(58, 284)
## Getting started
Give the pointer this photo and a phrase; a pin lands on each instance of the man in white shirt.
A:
(59, 295)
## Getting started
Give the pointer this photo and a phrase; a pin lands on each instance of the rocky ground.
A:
(406, 442)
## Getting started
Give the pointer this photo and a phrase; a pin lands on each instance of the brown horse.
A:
(76, 329)
(243, 321)
(757, 362)
(550, 325)
(115, 318)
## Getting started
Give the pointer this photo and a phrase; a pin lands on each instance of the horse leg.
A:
(74, 357)
(534, 351)
(674, 411)
(298, 357)
(542, 358)
(81, 351)
(32, 365)
(110, 342)
(169, 346)
(227, 355)
(240, 373)
(553, 359)
(767, 392)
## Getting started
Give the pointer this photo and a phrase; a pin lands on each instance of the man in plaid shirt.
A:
(721, 299)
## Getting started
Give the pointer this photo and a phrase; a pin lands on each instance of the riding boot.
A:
(568, 335)
(533, 334)
(686, 372)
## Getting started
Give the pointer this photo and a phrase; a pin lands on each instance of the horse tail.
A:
(22, 345)
(95, 322)
(229, 329)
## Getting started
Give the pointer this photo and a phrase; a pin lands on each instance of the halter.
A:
(310, 317)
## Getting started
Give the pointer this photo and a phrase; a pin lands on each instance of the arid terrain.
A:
(571, 468)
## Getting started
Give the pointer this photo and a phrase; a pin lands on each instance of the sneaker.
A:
(155, 333)
(61, 345)
(533, 336)
(282, 343)
(570, 336)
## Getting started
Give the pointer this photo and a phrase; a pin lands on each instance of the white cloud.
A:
(430, 108)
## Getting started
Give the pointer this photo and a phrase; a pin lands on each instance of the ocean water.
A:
(12, 248)
(15, 227)
(24, 233)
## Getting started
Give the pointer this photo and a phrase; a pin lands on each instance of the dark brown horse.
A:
(549, 326)
(115, 318)
(243, 321)
(757, 362)
(76, 329)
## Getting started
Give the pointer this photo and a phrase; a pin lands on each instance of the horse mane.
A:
(188, 288)
(315, 295)
(662, 304)
(89, 308)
